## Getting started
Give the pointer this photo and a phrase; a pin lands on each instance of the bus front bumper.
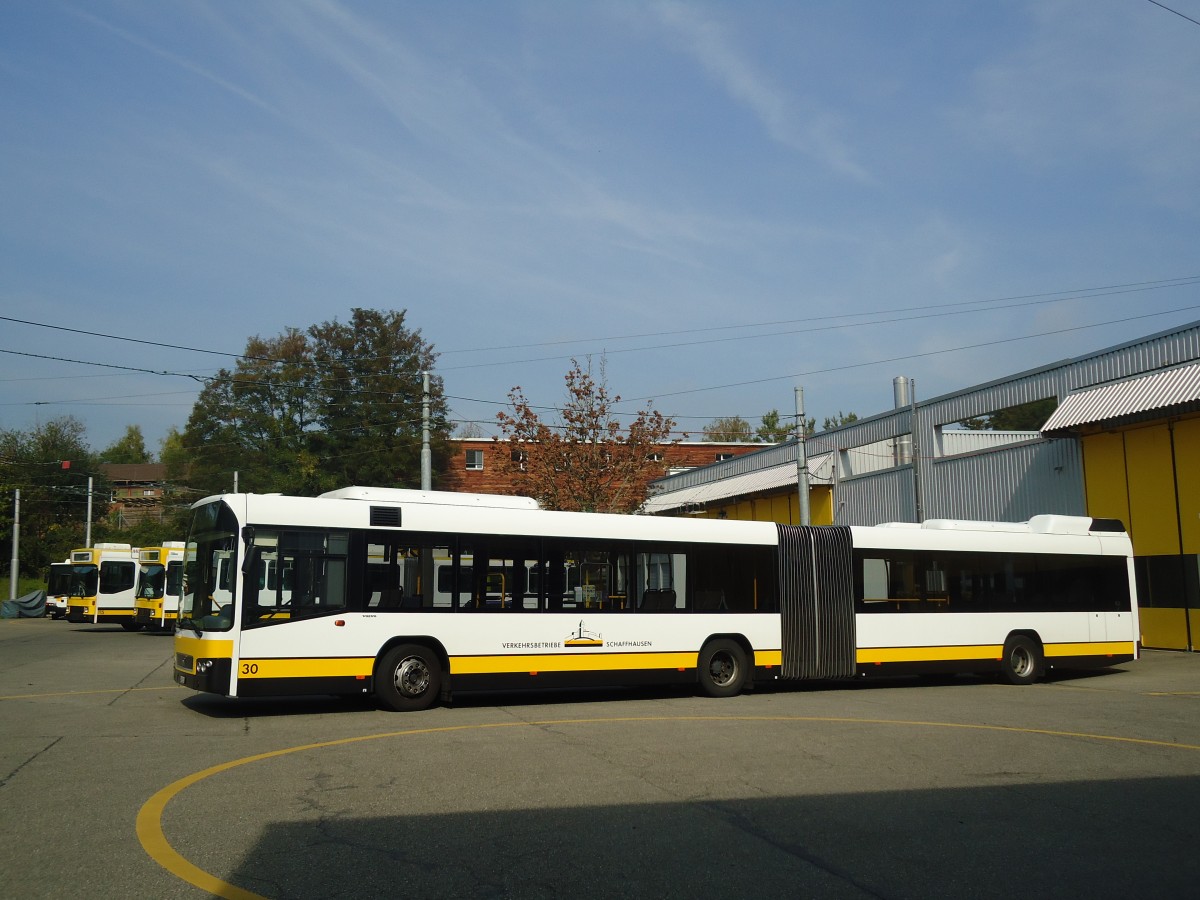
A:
(208, 675)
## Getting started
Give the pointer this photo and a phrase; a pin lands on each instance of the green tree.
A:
(839, 420)
(130, 448)
(587, 462)
(729, 429)
(368, 383)
(305, 412)
(1023, 417)
(49, 465)
(773, 429)
(253, 420)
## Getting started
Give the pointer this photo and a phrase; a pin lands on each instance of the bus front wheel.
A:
(722, 668)
(1022, 661)
(409, 677)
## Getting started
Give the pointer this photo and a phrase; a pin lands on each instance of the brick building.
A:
(137, 491)
(471, 469)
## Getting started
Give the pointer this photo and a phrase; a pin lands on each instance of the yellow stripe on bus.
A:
(569, 662)
(869, 655)
(216, 649)
(333, 667)
(358, 667)
(872, 655)
(768, 658)
(361, 667)
(1101, 648)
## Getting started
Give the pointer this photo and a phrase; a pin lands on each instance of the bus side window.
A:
(875, 580)
(402, 577)
(658, 574)
(318, 567)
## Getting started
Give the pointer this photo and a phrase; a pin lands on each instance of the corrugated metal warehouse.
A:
(1123, 442)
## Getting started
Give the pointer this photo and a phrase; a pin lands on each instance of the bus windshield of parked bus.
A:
(152, 584)
(208, 582)
(72, 580)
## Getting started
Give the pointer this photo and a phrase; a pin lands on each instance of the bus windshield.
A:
(152, 582)
(208, 582)
(58, 583)
(67, 580)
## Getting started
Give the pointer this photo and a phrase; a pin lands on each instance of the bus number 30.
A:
(249, 668)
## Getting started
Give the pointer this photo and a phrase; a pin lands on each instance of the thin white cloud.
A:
(1085, 90)
(177, 60)
(809, 131)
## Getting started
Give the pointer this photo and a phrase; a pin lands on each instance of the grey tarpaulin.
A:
(31, 606)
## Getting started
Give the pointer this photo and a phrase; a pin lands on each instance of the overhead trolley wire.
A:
(1023, 300)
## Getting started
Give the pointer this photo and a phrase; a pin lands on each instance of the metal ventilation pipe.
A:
(902, 392)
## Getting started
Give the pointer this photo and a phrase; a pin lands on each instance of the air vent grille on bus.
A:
(385, 516)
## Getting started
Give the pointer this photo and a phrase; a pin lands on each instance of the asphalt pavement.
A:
(114, 782)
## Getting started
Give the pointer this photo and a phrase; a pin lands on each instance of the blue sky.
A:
(724, 200)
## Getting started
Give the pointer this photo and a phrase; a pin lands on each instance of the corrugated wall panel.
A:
(888, 496)
(1022, 481)
(880, 497)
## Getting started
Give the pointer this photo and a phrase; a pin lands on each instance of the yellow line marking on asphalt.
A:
(82, 693)
(155, 843)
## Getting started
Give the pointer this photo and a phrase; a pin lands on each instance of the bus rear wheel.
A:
(408, 678)
(1022, 660)
(722, 668)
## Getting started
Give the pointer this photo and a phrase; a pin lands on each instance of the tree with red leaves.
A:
(586, 462)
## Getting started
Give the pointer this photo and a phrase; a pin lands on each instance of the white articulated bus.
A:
(160, 583)
(409, 595)
(106, 579)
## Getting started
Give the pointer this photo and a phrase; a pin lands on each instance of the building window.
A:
(655, 457)
(474, 460)
(724, 456)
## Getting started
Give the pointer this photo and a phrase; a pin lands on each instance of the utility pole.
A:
(16, 546)
(916, 453)
(87, 532)
(801, 460)
(426, 454)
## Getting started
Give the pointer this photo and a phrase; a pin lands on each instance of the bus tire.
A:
(722, 668)
(408, 678)
(1022, 660)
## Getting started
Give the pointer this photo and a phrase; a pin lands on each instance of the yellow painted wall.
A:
(1150, 478)
(1152, 510)
(820, 505)
(1106, 486)
(1164, 628)
(783, 508)
(1187, 471)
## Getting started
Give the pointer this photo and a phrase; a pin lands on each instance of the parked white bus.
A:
(160, 583)
(106, 578)
(369, 590)
(59, 586)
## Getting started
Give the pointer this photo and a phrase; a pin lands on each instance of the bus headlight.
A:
(203, 666)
